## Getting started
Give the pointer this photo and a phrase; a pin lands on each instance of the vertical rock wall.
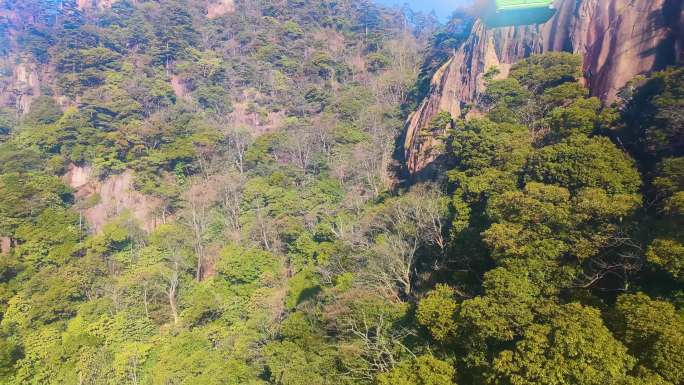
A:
(100, 201)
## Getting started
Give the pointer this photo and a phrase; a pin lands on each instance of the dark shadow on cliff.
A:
(434, 172)
(666, 53)
(398, 167)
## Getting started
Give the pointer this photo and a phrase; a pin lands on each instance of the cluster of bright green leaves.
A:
(652, 330)
(26, 195)
(424, 370)
(574, 346)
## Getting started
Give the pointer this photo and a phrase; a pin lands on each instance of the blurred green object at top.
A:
(519, 12)
(507, 5)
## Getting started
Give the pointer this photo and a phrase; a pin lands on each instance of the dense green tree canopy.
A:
(573, 348)
(205, 192)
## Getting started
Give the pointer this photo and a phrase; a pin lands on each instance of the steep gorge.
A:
(618, 39)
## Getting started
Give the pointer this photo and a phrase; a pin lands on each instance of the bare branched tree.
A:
(230, 188)
(199, 199)
(381, 341)
(408, 228)
(239, 138)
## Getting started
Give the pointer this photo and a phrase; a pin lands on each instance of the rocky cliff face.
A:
(88, 4)
(21, 83)
(101, 200)
(618, 39)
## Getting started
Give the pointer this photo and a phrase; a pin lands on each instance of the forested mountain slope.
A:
(204, 192)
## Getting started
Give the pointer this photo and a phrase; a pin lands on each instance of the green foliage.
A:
(425, 370)
(580, 117)
(51, 239)
(669, 178)
(538, 204)
(544, 222)
(377, 61)
(564, 94)
(15, 159)
(667, 247)
(193, 288)
(538, 213)
(26, 195)
(272, 247)
(292, 30)
(667, 356)
(99, 58)
(352, 101)
(580, 161)
(10, 353)
(7, 124)
(653, 117)
(483, 144)
(508, 93)
(667, 253)
(246, 266)
(51, 295)
(540, 72)
(192, 358)
(437, 312)
(506, 309)
(44, 110)
(303, 286)
(441, 122)
(293, 364)
(574, 348)
(652, 330)
(209, 301)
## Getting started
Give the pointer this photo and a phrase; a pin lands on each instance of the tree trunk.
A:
(173, 288)
(147, 310)
(172, 304)
(199, 250)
